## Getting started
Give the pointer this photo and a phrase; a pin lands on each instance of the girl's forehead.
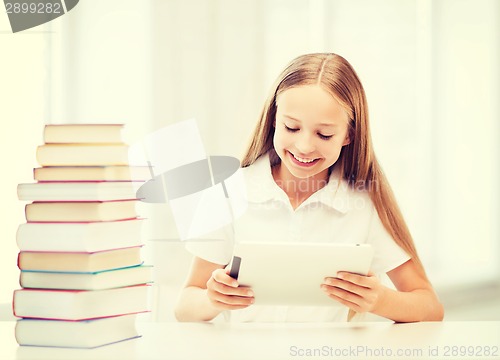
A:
(310, 100)
(297, 92)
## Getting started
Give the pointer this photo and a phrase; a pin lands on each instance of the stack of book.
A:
(82, 277)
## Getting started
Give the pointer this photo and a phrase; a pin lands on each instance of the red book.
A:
(80, 304)
(81, 211)
(78, 191)
(79, 237)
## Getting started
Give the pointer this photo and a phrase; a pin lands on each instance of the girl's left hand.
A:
(358, 292)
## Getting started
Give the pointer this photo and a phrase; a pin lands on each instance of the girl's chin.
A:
(306, 173)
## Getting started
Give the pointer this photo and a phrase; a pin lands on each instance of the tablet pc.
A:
(291, 273)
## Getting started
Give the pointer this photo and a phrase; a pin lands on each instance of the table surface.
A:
(426, 340)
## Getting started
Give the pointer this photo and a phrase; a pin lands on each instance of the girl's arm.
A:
(208, 291)
(414, 300)
(415, 297)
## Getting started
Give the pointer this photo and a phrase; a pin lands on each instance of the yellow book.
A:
(82, 154)
(82, 133)
(92, 173)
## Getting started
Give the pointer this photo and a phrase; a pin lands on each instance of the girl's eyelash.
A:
(325, 137)
(321, 136)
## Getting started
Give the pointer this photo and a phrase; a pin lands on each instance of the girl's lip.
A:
(299, 163)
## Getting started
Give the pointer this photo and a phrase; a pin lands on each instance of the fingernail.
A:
(250, 293)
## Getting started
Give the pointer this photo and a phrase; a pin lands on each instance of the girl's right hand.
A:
(225, 293)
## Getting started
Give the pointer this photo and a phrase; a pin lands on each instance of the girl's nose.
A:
(305, 144)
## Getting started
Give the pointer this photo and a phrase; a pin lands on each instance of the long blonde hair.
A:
(357, 161)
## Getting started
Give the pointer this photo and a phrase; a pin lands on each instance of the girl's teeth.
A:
(303, 160)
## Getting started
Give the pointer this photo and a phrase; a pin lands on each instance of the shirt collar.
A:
(335, 194)
(261, 187)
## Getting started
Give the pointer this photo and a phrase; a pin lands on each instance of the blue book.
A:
(99, 280)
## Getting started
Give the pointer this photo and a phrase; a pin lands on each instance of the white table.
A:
(283, 341)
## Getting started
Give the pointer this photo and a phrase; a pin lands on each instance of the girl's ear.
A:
(350, 132)
(347, 139)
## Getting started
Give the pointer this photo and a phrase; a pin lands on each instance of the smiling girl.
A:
(312, 176)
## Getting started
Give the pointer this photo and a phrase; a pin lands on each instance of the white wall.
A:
(421, 63)
(22, 107)
(466, 168)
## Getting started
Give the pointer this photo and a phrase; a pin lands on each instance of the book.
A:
(80, 304)
(92, 173)
(86, 334)
(83, 133)
(76, 191)
(79, 237)
(99, 280)
(82, 154)
(80, 211)
(79, 262)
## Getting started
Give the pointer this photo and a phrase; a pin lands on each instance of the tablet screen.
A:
(291, 273)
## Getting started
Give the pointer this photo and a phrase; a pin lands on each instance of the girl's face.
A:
(310, 129)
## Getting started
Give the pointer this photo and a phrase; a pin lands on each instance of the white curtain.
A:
(430, 70)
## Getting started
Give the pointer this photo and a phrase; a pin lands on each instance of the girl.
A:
(312, 175)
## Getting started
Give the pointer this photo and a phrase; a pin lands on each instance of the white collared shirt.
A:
(335, 213)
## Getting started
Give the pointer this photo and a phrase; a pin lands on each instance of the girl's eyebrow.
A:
(320, 124)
